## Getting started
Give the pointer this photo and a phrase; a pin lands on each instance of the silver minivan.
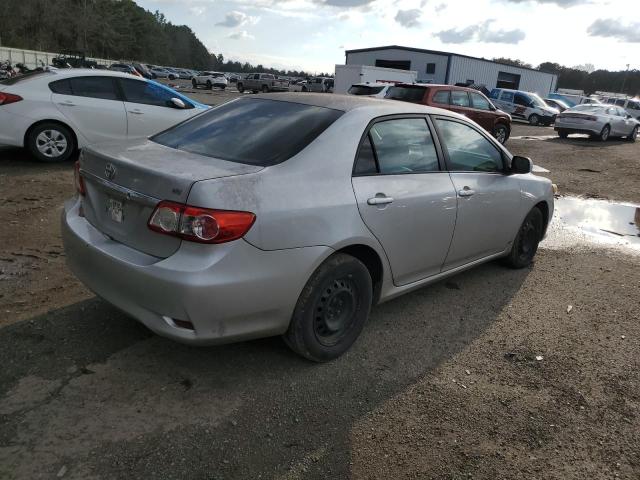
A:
(524, 106)
(631, 105)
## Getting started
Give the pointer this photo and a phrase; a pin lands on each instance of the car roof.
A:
(373, 84)
(348, 103)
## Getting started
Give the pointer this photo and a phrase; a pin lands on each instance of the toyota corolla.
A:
(293, 215)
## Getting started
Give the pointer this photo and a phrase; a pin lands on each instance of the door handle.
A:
(466, 192)
(379, 201)
(136, 112)
(67, 104)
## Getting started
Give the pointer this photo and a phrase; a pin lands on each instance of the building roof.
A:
(438, 52)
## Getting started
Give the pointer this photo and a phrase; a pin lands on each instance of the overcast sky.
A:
(313, 34)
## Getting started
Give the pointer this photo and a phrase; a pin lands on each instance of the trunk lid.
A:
(124, 183)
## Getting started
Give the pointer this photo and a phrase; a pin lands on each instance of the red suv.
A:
(466, 101)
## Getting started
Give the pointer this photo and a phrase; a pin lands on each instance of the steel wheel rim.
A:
(534, 119)
(605, 133)
(51, 143)
(527, 243)
(335, 311)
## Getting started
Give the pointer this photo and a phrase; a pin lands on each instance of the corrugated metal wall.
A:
(418, 61)
(485, 72)
(34, 59)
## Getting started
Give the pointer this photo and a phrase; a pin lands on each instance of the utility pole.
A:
(624, 80)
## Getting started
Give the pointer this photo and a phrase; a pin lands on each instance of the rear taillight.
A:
(7, 98)
(78, 180)
(201, 225)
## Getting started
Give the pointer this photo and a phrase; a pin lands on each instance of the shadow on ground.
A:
(89, 389)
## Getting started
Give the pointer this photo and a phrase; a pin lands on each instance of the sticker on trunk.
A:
(114, 208)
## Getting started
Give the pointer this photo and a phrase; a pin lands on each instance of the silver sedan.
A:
(292, 215)
(598, 121)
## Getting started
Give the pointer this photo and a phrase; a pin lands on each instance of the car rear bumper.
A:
(229, 292)
(13, 127)
(572, 127)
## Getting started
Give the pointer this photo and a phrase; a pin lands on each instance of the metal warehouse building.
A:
(451, 68)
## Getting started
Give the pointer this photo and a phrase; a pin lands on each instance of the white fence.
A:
(33, 58)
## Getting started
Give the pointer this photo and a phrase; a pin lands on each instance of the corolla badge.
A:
(110, 171)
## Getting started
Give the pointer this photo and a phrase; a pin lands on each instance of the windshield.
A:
(365, 90)
(536, 100)
(406, 93)
(253, 131)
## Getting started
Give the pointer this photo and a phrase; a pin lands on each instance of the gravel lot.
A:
(487, 375)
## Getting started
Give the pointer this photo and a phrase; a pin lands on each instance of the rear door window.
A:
(278, 131)
(63, 87)
(366, 160)
(459, 98)
(468, 150)
(95, 87)
(404, 146)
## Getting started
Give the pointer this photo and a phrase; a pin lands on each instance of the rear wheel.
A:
(633, 135)
(240, 87)
(265, 89)
(534, 119)
(51, 142)
(209, 85)
(604, 134)
(563, 133)
(194, 83)
(501, 133)
(331, 310)
(526, 242)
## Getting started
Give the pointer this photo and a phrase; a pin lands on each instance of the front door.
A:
(149, 108)
(483, 114)
(404, 198)
(488, 198)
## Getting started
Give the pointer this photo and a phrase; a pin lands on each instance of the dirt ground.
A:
(487, 375)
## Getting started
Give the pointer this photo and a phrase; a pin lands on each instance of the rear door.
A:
(149, 108)
(93, 107)
(487, 198)
(404, 197)
(460, 103)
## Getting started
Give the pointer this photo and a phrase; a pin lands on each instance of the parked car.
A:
(125, 68)
(599, 121)
(53, 113)
(524, 105)
(262, 82)
(321, 84)
(172, 73)
(376, 90)
(210, 80)
(466, 101)
(301, 248)
(631, 105)
(160, 72)
(299, 86)
(557, 104)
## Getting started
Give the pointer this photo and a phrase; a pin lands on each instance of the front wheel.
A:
(331, 310)
(265, 89)
(501, 133)
(209, 85)
(526, 242)
(194, 83)
(604, 134)
(563, 133)
(534, 119)
(240, 87)
(51, 142)
(633, 135)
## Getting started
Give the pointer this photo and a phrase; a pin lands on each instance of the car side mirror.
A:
(521, 164)
(177, 103)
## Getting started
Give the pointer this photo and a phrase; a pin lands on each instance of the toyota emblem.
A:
(110, 171)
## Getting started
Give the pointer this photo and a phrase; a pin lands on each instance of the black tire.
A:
(526, 242)
(194, 83)
(265, 89)
(254, 91)
(209, 85)
(172, 77)
(501, 133)
(534, 119)
(563, 133)
(305, 89)
(633, 135)
(223, 87)
(34, 142)
(604, 134)
(331, 310)
(240, 87)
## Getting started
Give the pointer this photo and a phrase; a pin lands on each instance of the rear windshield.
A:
(252, 131)
(364, 90)
(407, 93)
(26, 76)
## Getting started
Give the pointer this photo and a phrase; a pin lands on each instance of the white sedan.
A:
(597, 120)
(53, 113)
